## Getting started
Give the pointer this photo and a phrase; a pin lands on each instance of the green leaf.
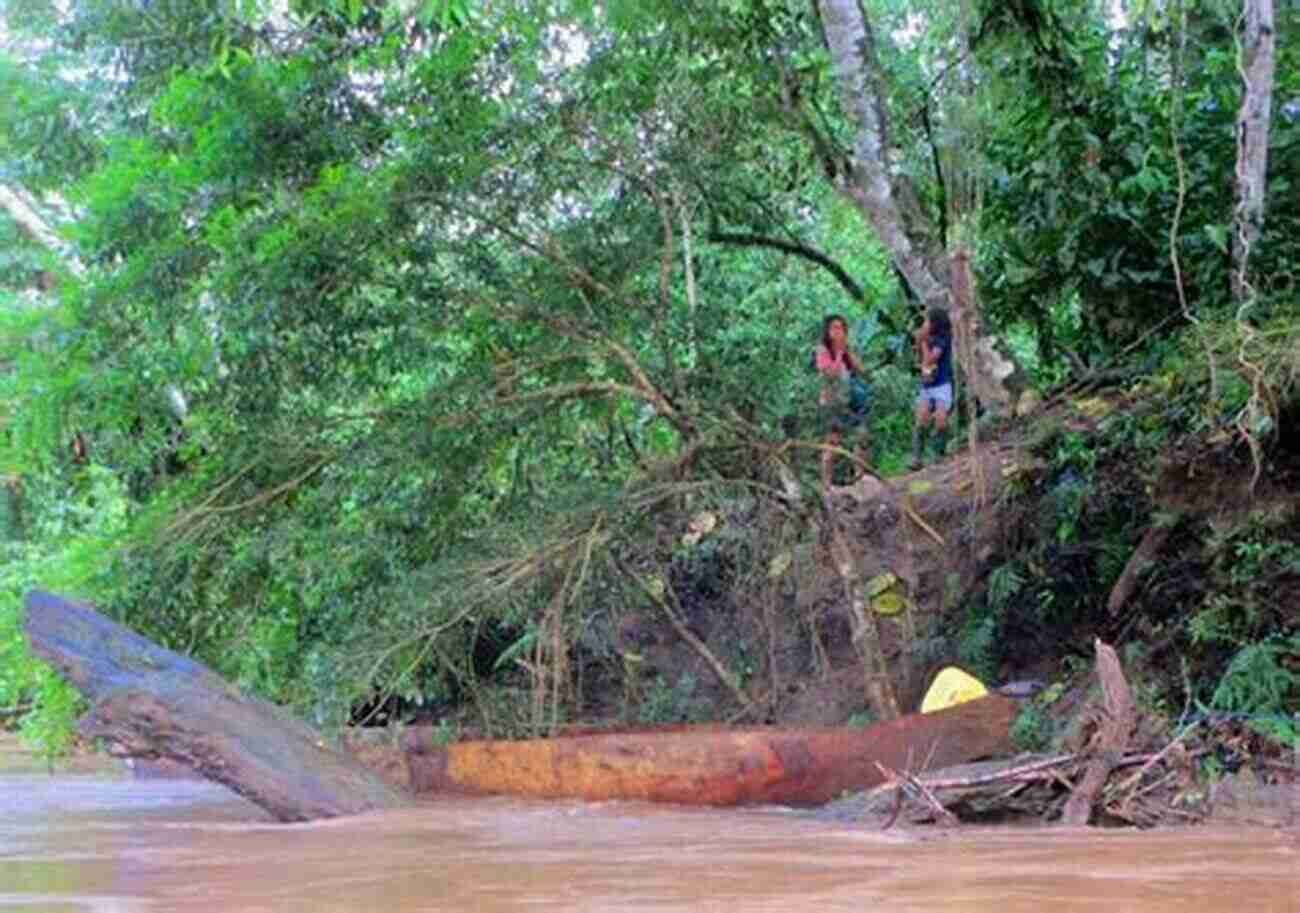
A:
(1218, 235)
(521, 645)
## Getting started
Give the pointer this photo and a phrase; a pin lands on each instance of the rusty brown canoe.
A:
(710, 765)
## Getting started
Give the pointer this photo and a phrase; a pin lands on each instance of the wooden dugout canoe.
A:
(710, 765)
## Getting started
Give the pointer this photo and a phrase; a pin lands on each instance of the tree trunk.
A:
(887, 199)
(712, 765)
(31, 224)
(151, 703)
(1252, 138)
(869, 184)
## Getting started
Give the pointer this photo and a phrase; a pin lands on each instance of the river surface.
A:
(96, 844)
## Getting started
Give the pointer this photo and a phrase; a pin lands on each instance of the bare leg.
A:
(918, 431)
(941, 429)
(828, 458)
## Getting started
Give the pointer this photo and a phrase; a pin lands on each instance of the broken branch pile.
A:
(1118, 776)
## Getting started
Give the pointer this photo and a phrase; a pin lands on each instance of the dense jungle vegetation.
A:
(434, 357)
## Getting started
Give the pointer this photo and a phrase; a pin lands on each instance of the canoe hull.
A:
(710, 765)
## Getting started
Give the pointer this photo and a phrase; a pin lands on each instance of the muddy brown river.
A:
(111, 845)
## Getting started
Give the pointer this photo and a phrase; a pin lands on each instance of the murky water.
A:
(81, 843)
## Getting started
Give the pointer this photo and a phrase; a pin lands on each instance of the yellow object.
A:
(888, 604)
(701, 525)
(1094, 407)
(951, 687)
(780, 564)
(883, 592)
(1028, 402)
(880, 583)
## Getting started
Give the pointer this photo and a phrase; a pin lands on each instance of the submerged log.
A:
(710, 765)
(148, 702)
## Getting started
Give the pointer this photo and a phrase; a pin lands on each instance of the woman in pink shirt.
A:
(837, 365)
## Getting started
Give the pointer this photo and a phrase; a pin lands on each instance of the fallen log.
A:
(150, 703)
(1142, 558)
(711, 765)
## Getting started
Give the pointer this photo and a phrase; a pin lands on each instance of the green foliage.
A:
(1070, 497)
(1260, 682)
(444, 733)
(467, 308)
(1005, 581)
(1031, 729)
(359, 248)
(64, 540)
(670, 703)
(978, 646)
(860, 718)
(1074, 451)
(892, 393)
(1248, 563)
(45, 132)
(1086, 182)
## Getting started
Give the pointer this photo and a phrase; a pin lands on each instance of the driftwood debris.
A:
(1116, 776)
(150, 703)
(712, 765)
(1116, 722)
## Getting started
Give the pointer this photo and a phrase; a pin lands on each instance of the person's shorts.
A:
(936, 397)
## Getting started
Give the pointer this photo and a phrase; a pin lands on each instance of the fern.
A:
(1004, 583)
(1258, 683)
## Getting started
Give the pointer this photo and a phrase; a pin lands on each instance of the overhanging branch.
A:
(794, 248)
(745, 239)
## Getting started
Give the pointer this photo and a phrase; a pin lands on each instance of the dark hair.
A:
(939, 323)
(826, 328)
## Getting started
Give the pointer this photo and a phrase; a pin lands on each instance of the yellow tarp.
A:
(952, 686)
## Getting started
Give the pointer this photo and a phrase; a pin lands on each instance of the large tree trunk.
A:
(712, 765)
(1252, 138)
(149, 702)
(885, 196)
(870, 184)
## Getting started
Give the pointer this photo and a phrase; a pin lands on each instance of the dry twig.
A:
(906, 780)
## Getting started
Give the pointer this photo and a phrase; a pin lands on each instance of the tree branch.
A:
(747, 239)
(32, 225)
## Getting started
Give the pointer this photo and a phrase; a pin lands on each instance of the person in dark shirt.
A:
(933, 341)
